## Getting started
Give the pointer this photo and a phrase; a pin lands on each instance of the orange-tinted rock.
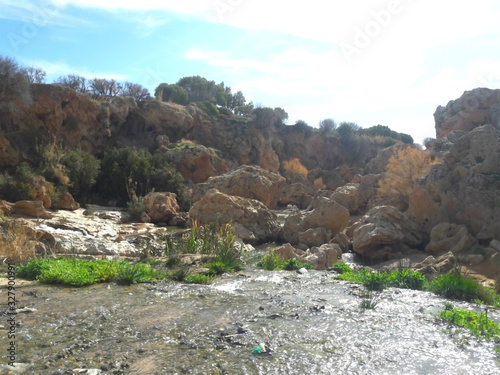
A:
(67, 202)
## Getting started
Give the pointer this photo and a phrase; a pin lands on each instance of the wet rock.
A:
(447, 237)
(324, 256)
(254, 222)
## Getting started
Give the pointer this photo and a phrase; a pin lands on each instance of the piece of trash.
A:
(257, 350)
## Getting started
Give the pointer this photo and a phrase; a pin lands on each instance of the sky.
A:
(390, 62)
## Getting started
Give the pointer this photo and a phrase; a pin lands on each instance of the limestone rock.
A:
(314, 237)
(297, 194)
(384, 227)
(41, 191)
(197, 163)
(31, 208)
(254, 222)
(66, 202)
(326, 214)
(474, 108)
(287, 251)
(161, 207)
(324, 256)
(463, 188)
(247, 181)
(446, 237)
(343, 241)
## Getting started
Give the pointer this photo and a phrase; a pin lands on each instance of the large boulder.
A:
(247, 181)
(254, 222)
(161, 207)
(384, 227)
(32, 209)
(298, 194)
(67, 202)
(474, 108)
(446, 237)
(326, 214)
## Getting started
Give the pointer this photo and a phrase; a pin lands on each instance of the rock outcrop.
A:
(474, 108)
(326, 220)
(253, 221)
(31, 209)
(67, 202)
(247, 181)
(463, 188)
(384, 231)
(297, 194)
(446, 237)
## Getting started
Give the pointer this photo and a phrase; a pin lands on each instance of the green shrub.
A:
(18, 186)
(454, 285)
(271, 261)
(135, 208)
(478, 324)
(82, 169)
(126, 169)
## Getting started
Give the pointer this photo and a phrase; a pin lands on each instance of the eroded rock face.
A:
(384, 227)
(254, 222)
(446, 237)
(474, 108)
(463, 188)
(324, 256)
(326, 217)
(161, 207)
(247, 181)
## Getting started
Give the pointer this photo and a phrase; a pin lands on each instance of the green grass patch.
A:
(78, 272)
(454, 285)
(477, 323)
(272, 262)
(198, 279)
(404, 278)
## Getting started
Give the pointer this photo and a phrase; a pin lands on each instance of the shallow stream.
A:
(309, 324)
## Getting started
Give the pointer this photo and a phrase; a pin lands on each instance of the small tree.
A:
(136, 91)
(403, 170)
(172, 93)
(294, 170)
(13, 80)
(327, 126)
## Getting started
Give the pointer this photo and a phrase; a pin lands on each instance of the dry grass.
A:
(17, 242)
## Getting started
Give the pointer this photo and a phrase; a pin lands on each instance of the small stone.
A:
(302, 271)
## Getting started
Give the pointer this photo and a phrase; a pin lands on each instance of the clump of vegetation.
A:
(272, 262)
(78, 272)
(135, 207)
(16, 242)
(294, 170)
(122, 168)
(216, 241)
(403, 170)
(198, 279)
(477, 323)
(404, 278)
(455, 285)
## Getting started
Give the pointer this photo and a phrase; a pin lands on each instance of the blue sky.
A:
(371, 62)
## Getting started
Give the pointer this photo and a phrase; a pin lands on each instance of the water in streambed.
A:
(312, 323)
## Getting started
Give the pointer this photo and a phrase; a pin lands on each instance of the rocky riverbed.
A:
(303, 323)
